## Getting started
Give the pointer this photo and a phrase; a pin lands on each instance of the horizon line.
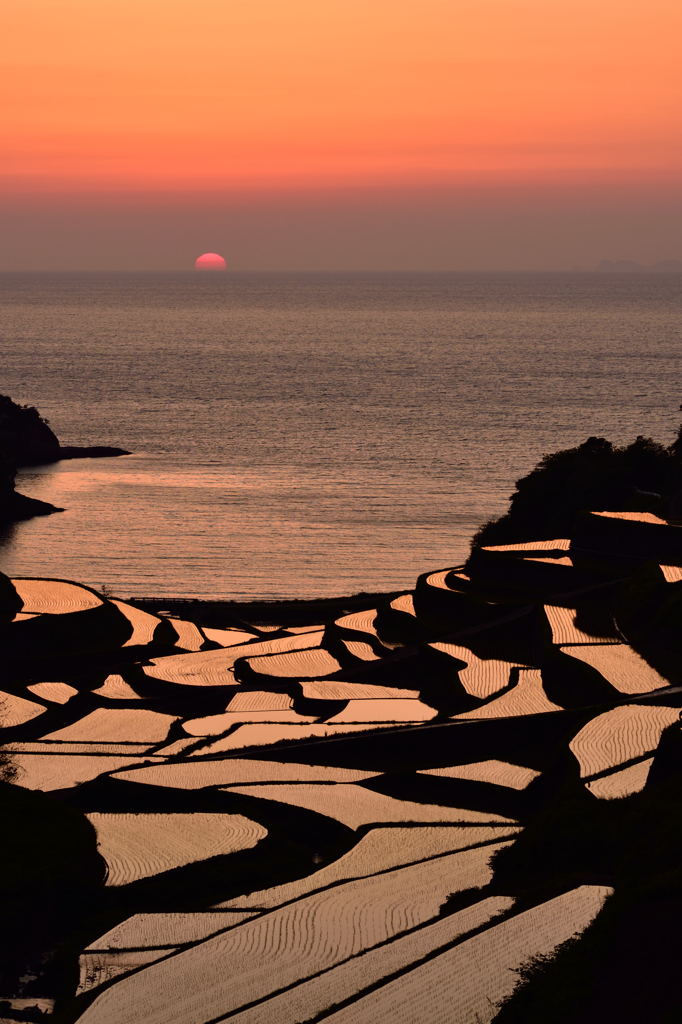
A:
(644, 268)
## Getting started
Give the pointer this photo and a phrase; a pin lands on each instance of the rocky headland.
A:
(26, 439)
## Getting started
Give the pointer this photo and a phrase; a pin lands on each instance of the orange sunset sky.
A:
(437, 133)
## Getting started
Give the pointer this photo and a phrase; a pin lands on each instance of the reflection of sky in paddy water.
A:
(306, 435)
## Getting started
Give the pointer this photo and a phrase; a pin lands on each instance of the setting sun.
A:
(210, 261)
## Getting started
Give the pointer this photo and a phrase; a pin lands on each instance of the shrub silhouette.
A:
(594, 476)
(25, 436)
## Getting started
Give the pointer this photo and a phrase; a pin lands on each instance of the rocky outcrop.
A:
(51, 875)
(26, 439)
(13, 505)
(91, 451)
(640, 477)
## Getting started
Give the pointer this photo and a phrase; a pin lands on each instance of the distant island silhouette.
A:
(633, 267)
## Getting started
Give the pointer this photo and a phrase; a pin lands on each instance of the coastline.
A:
(287, 612)
(26, 439)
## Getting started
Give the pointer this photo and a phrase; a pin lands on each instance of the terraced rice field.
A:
(310, 663)
(468, 981)
(620, 666)
(213, 668)
(253, 735)
(58, 771)
(392, 710)
(359, 650)
(159, 931)
(480, 677)
(671, 573)
(55, 693)
(143, 623)
(100, 967)
(50, 747)
(527, 697)
(354, 806)
(177, 748)
(405, 604)
(360, 622)
(496, 773)
(137, 846)
(217, 725)
(334, 689)
(378, 851)
(306, 629)
(625, 782)
(288, 944)
(565, 631)
(190, 637)
(198, 774)
(564, 560)
(438, 580)
(115, 687)
(259, 700)
(117, 725)
(17, 710)
(335, 902)
(228, 637)
(634, 517)
(561, 544)
(620, 735)
(349, 979)
(54, 597)
(458, 578)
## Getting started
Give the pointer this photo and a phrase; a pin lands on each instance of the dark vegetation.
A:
(13, 505)
(595, 476)
(25, 436)
(10, 604)
(50, 872)
(624, 967)
(26, 439)
(648, 613)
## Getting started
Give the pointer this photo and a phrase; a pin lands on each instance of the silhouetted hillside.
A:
(26, 439)
(13, 505)
(595, 476)
(50, 877)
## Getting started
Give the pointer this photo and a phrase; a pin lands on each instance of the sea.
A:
(302, 435)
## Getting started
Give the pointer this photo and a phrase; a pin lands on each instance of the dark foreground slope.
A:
(50, 878)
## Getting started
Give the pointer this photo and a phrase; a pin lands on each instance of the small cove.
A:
(305, 435)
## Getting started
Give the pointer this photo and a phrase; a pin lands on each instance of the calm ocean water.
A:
(314, 434)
